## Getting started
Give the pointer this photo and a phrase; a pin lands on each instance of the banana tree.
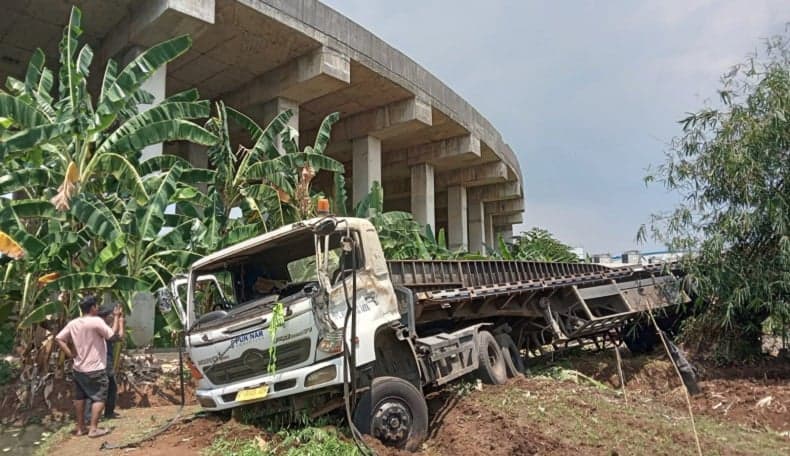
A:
(291, 173)
(269, 186)
(63, 140)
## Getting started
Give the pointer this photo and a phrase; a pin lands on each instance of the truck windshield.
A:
(276, 271)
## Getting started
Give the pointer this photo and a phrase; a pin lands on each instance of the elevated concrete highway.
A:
(435, 155)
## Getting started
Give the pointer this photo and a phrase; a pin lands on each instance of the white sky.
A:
(588, 93)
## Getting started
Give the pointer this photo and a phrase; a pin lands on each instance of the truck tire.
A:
(640, 338)
(492, 369)
(393, 411)
(513, 360)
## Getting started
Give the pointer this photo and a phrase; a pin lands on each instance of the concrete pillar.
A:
(489, 231)
(272, 108)
(477, 228)
(366, 163)
(156, 86)
(423, 202)
(196, 154)
(457, 236)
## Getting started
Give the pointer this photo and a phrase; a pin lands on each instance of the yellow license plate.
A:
(254, 393)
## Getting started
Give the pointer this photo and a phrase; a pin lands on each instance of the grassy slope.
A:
(597, 421)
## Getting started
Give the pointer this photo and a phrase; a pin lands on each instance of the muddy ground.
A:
(741, 410)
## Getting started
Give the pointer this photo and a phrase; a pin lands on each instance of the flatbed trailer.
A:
(358, 326)
(536, 303)
(545, 303)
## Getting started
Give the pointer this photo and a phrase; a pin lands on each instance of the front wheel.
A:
(393, 411)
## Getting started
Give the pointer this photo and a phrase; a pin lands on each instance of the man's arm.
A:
(62, 343)
(118, 325)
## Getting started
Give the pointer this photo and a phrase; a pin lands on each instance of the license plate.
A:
(253, 393)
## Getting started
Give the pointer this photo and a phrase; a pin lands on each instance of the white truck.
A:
(371, 334)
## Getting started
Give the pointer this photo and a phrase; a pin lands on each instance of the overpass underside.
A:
(434, 154)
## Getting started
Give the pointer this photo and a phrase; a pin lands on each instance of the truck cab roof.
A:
(252, 245)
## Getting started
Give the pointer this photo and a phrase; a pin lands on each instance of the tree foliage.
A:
(536, 244)
(731, 166)
(88, 216)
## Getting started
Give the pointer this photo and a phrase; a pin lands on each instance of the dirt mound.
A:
(756, 395)
(465, 426)
(461, 424)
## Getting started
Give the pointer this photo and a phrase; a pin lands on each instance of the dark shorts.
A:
(91, 385)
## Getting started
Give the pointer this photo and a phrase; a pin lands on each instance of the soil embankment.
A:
(741, 411)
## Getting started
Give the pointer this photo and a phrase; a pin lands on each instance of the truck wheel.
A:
(492, 368)
(640, 338)
(513, 361)
(393, 411)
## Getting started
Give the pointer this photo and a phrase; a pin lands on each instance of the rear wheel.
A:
(513, 361)
(640, 337)
(492, 369)
(393, 411)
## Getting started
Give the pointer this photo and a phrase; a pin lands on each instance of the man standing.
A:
(108, 313)
(89, 334)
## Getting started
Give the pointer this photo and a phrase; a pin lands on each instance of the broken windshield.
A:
(267, 273)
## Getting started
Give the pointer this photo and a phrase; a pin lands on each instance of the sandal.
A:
(77, 433)
(98, 433)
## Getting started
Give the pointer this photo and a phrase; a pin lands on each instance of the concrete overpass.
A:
(435, 155)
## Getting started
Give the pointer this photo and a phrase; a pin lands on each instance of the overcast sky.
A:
(588, 93)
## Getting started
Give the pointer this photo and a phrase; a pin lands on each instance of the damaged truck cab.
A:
(312, 271)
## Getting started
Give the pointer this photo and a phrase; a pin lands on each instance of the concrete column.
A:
(423, 204)
(156, 86)
(457, 236)
(477, 228)
(272, 108)
(366, 163)
(489, 231)
(197, 155)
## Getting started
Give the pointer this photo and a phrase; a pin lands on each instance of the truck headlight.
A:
(332, 343)
(323, 375)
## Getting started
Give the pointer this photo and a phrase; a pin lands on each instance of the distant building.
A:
(635, 257)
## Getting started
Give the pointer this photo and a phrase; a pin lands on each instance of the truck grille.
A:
(254, 362)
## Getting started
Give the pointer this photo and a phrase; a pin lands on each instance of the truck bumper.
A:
(280, 384)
